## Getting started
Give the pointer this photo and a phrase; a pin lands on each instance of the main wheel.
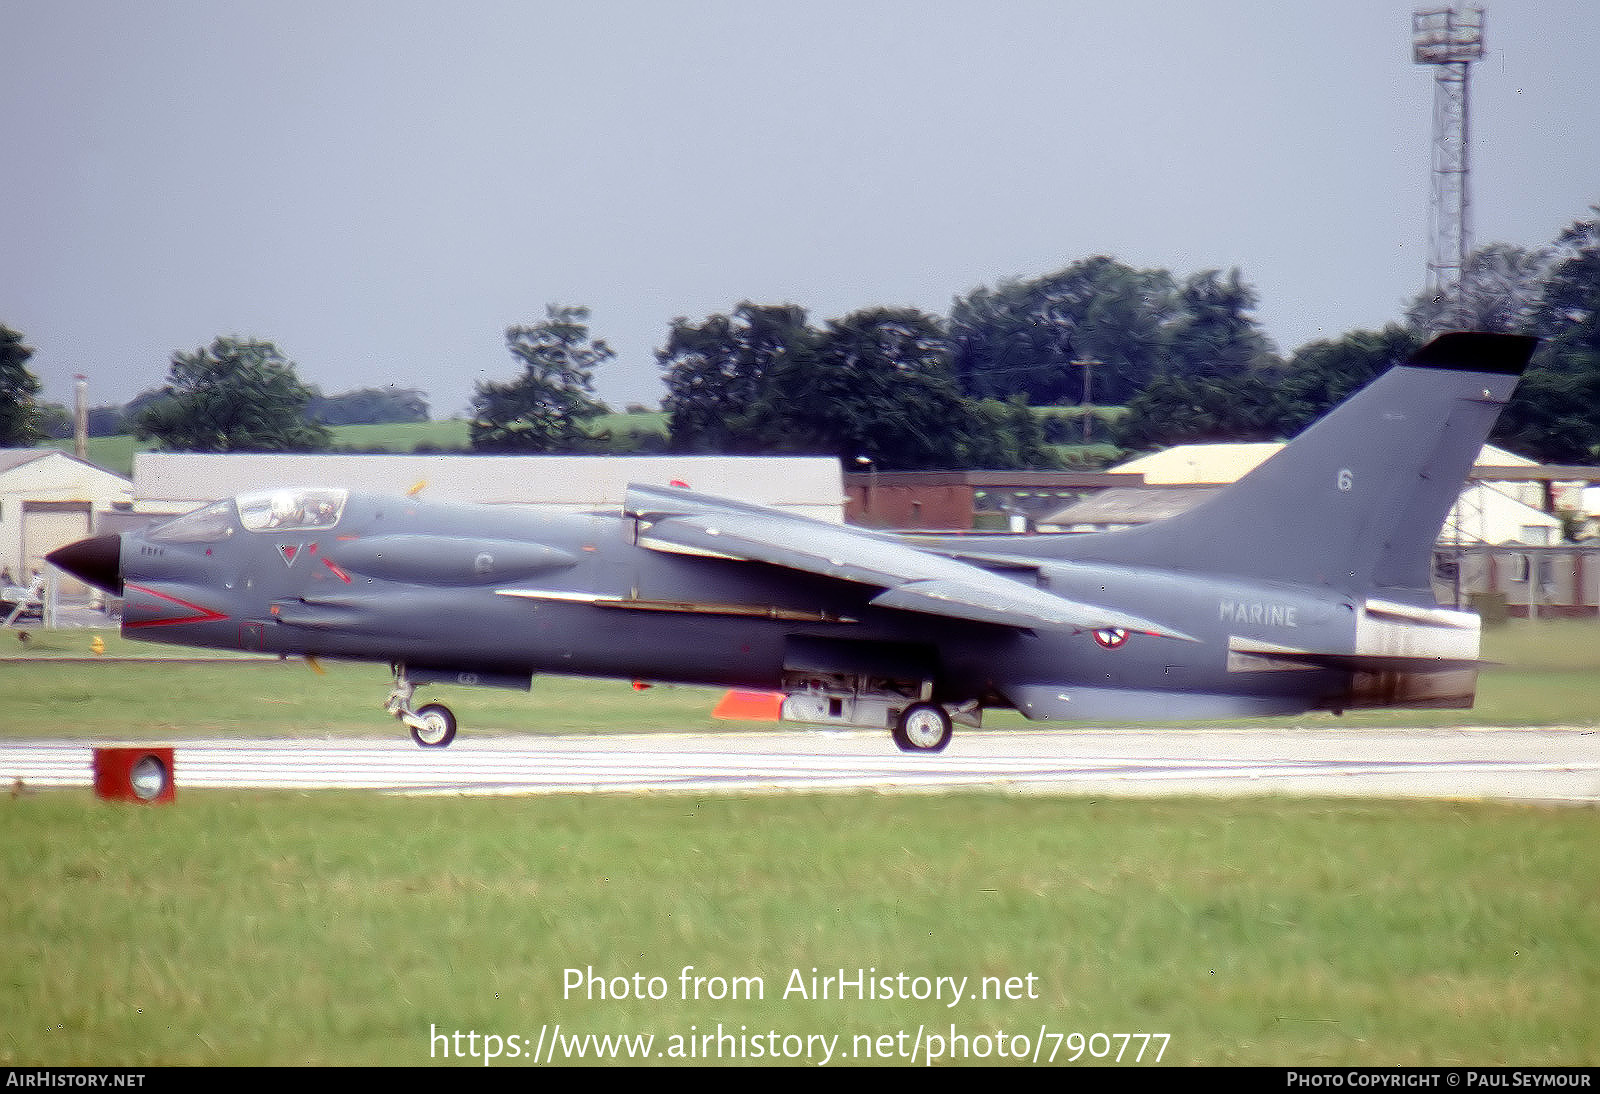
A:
(923, 727)
(438, 726)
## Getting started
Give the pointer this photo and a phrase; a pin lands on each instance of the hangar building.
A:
(49, 499)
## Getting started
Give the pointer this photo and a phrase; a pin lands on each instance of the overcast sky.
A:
(381, 188)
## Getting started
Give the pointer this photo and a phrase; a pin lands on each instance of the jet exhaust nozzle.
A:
(96, 561)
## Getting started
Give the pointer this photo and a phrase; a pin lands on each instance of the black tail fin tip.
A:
(1474, 351)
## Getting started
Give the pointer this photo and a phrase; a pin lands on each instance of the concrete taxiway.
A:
(1533, 765)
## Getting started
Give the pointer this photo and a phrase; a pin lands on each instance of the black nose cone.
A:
(97, 560)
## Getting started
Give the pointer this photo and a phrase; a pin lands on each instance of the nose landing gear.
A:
(432, 725)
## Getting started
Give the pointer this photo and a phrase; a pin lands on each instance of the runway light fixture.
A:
(134, 773)
(149, 778)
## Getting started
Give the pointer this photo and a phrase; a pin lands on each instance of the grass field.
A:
(116, 453)
(341, 928)
(332, 927)
(453, 434)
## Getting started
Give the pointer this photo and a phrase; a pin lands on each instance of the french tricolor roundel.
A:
(1111, 638)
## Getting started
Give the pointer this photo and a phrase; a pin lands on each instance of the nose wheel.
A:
(432, 725)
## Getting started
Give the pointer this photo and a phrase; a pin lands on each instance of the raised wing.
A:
(683, 522)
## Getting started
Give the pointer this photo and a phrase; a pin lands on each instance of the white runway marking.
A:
(1553, 765)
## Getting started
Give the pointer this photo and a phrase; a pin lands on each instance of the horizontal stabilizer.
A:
(1390, 638)
(1350, 662)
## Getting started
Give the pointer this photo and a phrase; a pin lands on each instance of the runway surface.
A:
(1539, 765)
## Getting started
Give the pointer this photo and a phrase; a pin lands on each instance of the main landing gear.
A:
(923, 727)
(432, 725)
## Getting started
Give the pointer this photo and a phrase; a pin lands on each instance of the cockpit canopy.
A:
(266, 511)
(291, 510)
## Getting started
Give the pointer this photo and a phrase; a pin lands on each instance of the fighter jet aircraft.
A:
(1304, 586)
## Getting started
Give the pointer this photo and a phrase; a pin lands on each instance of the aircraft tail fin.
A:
(1356, 501)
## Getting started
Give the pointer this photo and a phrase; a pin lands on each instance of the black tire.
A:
(440, 726)
(923, 727)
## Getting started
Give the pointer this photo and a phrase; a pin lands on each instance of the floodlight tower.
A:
(1450, 40)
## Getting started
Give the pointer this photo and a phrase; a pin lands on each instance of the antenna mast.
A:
(1449, 40)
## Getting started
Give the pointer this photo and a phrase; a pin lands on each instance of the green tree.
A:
(18, 387)
(1220, 380)
(718, 376)
(1179, 409)
(1554, 415)
(1321, 375)
(549, 407)
(1023, 337)
(53, 420)
(237, 395)
(1004, 435)
(1213, 333)
(108, 421)
(1569, 308)
(1499, 291)
(876, 385)
(370, 406)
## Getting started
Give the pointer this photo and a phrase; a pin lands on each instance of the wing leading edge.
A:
(683, 522)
